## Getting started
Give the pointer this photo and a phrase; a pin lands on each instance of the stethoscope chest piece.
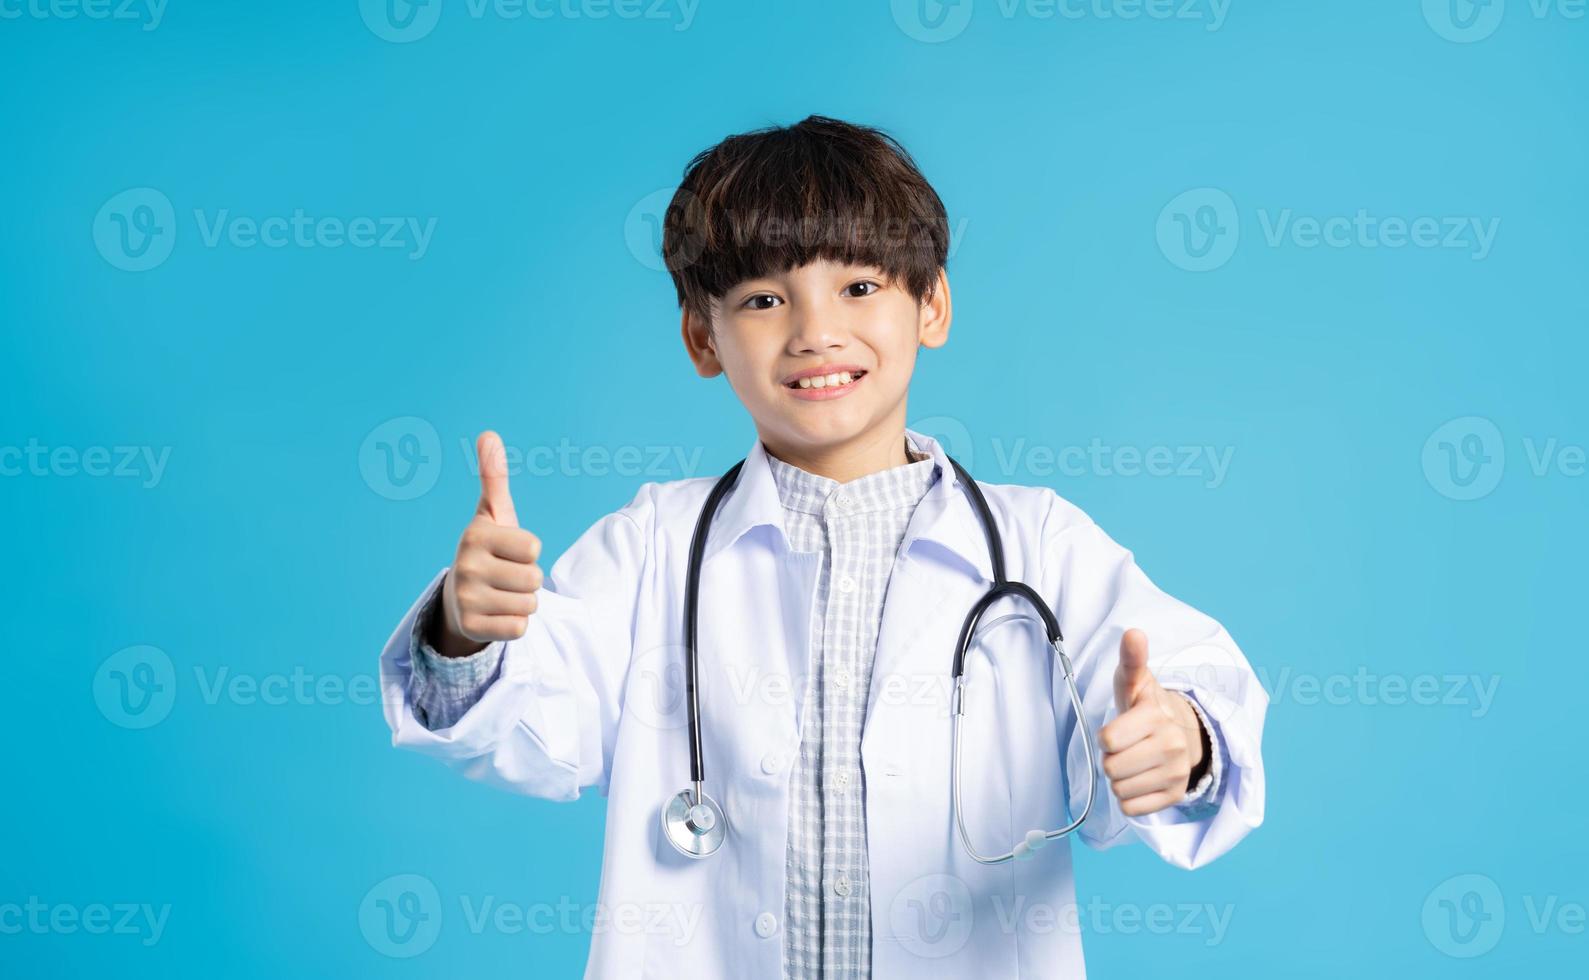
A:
(694, 829)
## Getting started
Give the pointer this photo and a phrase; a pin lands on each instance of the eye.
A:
(754, 302)
(864, 282)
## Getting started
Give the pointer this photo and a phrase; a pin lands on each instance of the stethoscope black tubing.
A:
(692, 587)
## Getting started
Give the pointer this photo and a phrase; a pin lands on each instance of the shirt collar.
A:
(897, 487)
(945, 517)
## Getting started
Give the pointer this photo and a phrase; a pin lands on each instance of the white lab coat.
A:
(592, 696)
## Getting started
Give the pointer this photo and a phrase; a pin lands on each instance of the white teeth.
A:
(826, 380)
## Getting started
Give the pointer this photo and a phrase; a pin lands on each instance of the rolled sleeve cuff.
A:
(1202, 799)
(443, 689)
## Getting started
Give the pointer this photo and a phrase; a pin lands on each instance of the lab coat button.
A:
(771, 763)
(766, 925)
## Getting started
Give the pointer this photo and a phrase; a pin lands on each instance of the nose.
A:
(815, 330)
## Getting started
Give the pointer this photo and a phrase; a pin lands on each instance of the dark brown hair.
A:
(774, 199)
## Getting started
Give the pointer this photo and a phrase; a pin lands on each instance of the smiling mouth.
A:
(839, 379)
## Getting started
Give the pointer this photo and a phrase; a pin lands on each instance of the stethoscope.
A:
(695, 824)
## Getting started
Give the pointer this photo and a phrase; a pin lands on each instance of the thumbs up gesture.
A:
(489, 592)
(1155, 743)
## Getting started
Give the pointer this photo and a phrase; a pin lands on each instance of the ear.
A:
(700, 345)
(936, 312)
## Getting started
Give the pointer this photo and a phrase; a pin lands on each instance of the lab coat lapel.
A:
(942, 568)
(773, 588)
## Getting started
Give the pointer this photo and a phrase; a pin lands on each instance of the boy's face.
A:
(828, 316)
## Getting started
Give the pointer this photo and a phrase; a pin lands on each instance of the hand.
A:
(1156, 741)
(489, 592)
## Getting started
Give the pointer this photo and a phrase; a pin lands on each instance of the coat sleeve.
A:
(547, 724)
(1102, 593)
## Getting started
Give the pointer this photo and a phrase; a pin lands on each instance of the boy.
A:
(809, 263)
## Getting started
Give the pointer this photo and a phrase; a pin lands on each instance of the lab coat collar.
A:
(944, 517)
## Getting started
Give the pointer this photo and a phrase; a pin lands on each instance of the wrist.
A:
(1200, 747)
(440, 636)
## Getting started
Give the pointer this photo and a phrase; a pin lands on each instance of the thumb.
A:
(496, 503)
(1132, 676)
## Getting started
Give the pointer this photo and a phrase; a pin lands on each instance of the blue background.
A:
(274, 541)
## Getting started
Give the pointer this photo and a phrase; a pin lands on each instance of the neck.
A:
(868, 453)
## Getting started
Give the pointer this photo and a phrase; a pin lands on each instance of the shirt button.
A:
(766, 925)
(771, 763)
(841, 501)
(841, 677)
(846, 583)
(842, 886)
